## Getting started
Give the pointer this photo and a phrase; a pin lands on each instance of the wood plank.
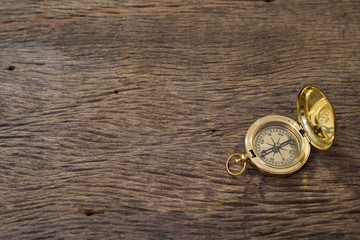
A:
(117, 118)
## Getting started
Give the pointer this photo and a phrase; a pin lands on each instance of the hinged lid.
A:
(316, 115)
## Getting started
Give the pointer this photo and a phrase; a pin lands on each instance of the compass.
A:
(278, 145)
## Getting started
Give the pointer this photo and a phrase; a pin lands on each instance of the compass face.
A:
(277, 146)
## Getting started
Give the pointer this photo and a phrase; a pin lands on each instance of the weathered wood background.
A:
(117, 118)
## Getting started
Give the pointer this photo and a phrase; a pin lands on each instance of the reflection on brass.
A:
(317, 117)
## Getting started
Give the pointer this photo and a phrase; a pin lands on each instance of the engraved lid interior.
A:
(316, 116)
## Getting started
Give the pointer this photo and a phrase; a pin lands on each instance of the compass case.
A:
(316, 116)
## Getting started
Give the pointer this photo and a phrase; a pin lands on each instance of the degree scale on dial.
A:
(276, 146)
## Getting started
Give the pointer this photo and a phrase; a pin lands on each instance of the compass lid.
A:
(316, 116)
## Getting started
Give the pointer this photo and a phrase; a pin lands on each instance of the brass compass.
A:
(278, 145)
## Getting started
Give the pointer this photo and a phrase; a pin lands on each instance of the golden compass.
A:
(278, 145)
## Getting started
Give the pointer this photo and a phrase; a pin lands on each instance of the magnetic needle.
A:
(278, 145)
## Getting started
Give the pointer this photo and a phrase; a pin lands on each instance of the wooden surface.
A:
(117, 118)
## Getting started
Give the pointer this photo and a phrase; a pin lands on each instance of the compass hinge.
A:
(302, 132)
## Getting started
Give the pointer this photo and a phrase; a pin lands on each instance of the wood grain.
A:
(117, 118)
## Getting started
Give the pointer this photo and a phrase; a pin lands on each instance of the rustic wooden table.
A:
(117, 118)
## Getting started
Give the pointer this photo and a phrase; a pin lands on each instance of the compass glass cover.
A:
(277, 146)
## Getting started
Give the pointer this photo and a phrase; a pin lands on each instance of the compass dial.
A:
(277, 146)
